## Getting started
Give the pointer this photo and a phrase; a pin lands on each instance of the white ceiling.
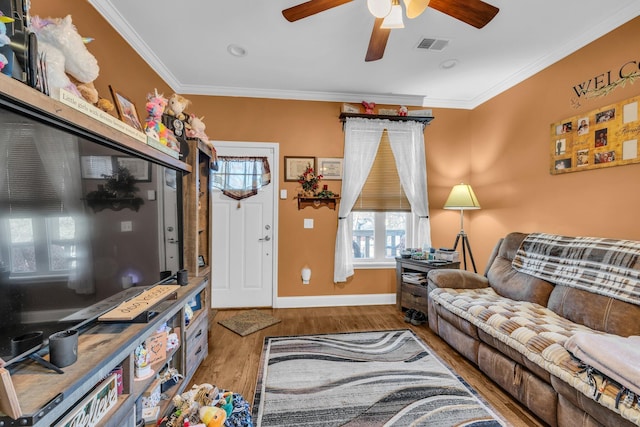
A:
(322, 57)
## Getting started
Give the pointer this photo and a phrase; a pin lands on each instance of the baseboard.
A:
(334, 300)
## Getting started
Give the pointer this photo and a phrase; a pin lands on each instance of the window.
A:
(378, 237)
(31, 257)
(241, 177)
(381, 215)
(42, 244)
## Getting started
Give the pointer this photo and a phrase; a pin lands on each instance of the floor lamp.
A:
(463, 198)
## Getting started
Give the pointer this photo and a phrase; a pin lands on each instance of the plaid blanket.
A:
(609, 267)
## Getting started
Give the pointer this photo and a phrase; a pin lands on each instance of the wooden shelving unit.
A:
(197, 221)
(100, 350)
(45, 396)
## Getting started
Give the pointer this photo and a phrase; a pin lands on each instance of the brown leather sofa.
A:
(513, 326)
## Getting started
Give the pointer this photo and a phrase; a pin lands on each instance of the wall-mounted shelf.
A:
(316, 202)
(421, 119)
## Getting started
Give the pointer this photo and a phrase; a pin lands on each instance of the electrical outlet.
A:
(308, 223)
(126, 226)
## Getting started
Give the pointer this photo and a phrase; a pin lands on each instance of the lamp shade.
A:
(379, 8)
(462, 197)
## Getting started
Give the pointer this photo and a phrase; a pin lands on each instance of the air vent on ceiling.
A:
(433, 44)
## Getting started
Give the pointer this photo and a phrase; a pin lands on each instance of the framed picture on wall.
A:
(127, 111)
(296, 166)
(96, 167)
(140, 169)
(330, 167)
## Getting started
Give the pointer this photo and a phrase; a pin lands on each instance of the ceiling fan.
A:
(473, 12)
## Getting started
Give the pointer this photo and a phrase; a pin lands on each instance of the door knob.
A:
(265, 238)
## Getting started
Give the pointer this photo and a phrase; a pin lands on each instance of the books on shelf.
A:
(415, 278)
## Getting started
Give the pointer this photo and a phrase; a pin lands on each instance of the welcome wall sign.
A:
(600, 138)
(604, 83)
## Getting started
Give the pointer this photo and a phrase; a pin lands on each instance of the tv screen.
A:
(83, 226)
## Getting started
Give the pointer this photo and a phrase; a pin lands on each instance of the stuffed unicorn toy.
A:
(4, 39)
(64, 51)
(153, 126)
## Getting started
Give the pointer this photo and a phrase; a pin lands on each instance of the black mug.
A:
(182, 276)
(63, 348)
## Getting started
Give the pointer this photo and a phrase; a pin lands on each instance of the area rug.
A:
(249, 322)
(385, 378)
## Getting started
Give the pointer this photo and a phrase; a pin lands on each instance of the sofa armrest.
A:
(457, 279)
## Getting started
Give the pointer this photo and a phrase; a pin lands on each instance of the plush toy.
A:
(403, 111)
(212, 416)
(172, 341)
(4, 39)
(153, 127)
(197, 128)
(189, 403)
(176, 106)
(65, 52)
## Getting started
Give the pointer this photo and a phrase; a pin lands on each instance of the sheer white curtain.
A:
(361, 141)
(407, 143)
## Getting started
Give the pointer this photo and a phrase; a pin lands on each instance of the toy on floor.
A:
(212, 416)
(206, 404)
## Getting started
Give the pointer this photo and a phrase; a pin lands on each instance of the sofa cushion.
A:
(533, 330)
(512, 284)
(598, 312)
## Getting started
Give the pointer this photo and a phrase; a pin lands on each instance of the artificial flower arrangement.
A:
(309, 181)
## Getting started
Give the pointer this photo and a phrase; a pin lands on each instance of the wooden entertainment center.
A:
(45, 397)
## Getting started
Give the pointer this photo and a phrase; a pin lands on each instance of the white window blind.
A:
(383, 191)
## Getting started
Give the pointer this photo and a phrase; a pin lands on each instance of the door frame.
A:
(275, 181)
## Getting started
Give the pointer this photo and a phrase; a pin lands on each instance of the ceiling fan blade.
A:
(304, 10)
(378, 41)
(415, 8)
(473, 12)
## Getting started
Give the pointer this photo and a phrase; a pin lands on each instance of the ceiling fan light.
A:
(394, 18)
(379, 8)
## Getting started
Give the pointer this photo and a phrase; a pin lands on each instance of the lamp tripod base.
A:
(464, 240)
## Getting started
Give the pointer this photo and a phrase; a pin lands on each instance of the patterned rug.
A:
(386, 378)
(248, 322)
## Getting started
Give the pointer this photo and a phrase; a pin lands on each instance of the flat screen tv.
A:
(84, 225)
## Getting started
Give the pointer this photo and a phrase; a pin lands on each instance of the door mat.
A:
(249, 322)
(388, 378)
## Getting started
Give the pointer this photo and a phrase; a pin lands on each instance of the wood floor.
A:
(233, 360)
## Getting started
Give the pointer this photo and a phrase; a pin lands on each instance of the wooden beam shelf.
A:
(316, 202)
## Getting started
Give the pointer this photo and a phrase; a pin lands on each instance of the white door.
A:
(244, 237)
(167, 196)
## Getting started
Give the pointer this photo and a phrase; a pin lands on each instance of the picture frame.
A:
(330, 168)
(96, 167)
(140, 169)
(294, 166)
(127, 111)
(201, 262)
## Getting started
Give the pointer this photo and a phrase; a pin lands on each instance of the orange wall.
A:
(510, 152)
(501, 147)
